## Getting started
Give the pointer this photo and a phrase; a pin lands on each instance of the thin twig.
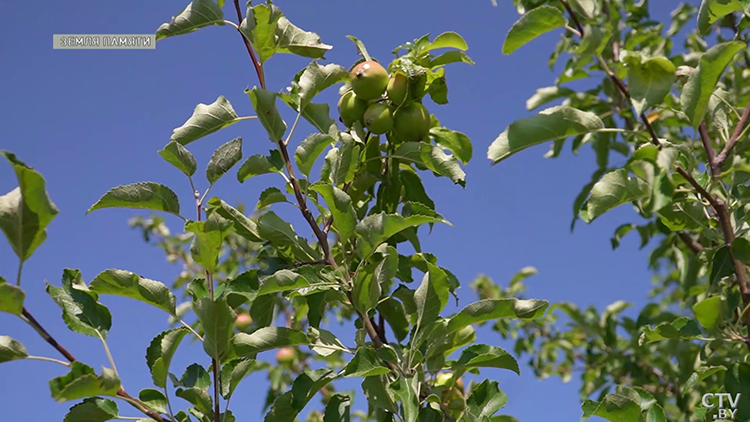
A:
(302, 264)
(256, 63)
(573, 16)
(710, 153)
(724, 154)
(64, 352)
(691, 243)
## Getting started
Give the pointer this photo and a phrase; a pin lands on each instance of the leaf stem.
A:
(18, 274)
(169, 404)
(256, 63)
(45, 359)
(195, 333)
(109, 356)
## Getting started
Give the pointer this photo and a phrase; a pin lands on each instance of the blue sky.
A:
(90, 120)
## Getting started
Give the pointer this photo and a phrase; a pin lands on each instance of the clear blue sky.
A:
(90, 120)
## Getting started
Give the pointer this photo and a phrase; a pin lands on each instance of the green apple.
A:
(369, 80)
(411, 122)
(398, 88)
(378, 118)
(351, 108)
(243, 321)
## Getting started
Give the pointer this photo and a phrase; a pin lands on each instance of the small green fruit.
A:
(411, 122)
(378, 119)
(351, 108)
(285, 355)
(243, 321)
(369, 80)
(443, 379)
(398, 88)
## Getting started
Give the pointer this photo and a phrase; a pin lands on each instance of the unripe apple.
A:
(378, 119)
(398, 88)
(411, 122)
(243, 321)
(285, 355)
(351, 108)
(369, 80)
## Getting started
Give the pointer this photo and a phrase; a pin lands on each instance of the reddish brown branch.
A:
(691, 243)
(320, 234)
(67, 355)
(573, 16)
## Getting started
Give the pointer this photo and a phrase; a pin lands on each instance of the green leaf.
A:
(318, 115)
(234, 372)
(338, 409)
(198, 14)
(198, 398)
(11, 298)
(154, 399)
(267, 338)
(395, 314)
(403, 388)
(177, 155)
(450, 57)
(432, 295)
(614, 408)
(314, 79)
(554, 123)
(702, 81)
(364, 364)
(377, 228)
(243, 226)
(324, 342)
(82, 382)
(371, 279)
(264, 103)
(11, 350)
(484, 401)
(142, 195)
(447, 39)
(260, 164)
(594, 40)
(217, 320)
(374, 389)
(721, 265)
(223, 159)
(649, 81)
(288, 405)
(531, 25)
(310, 149)
(340, 205)
(488, 309)
(434, 158)
(614, 189)
(160, 352)
(282, 281)
(713, 10)
(709, 311)
(484, 356)
(737, 383)
(259, 27)
(699, 375)
(26, 211)
(281, 234)
(270, 196)
(128, 284)
(681, 328)
(209, 236)
(93, 409)
(82, 312)
(297, 41)
(455, 142)
(195, 376)
(206, 119)
(547, 94)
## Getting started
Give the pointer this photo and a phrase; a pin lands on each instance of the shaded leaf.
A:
(206, 119)
(377, 228)
(177, 155)
(310, 149)
(485, 400)
(297, 41)
(93, 409)
(434, 158)
(264, 103)
(154, 399)
(259, 27)
(223, 159)
(233, 372)
(11, 298)
(314, 80)
(488, 309)
(340, 205)
(11, 349)
(531, 25)
(554, 123)
(198, 14)
(612, 190)
(217, 321)
(160, 352)
(82, 382)
(484, 356)
(208, 238)
(82, 311)
(365, 364)
(142, 195)
(681, 328)
(614, 408)
(267, 338)
(128, 284)
(260, 164)
(456, 142)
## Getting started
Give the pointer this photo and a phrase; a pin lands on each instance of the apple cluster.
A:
(383, 104)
